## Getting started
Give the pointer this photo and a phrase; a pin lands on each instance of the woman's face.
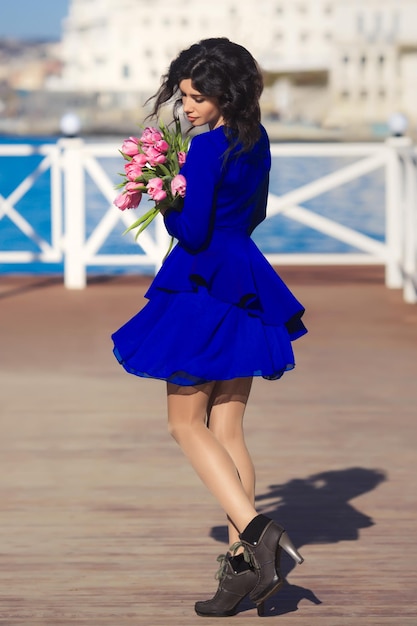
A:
(199, 108)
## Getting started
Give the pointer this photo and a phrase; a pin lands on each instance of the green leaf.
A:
(146, 224)
(126, 156)
(164, 170)
(171, 243)
(143, 218)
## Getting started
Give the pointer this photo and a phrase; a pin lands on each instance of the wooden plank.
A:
(102, 520)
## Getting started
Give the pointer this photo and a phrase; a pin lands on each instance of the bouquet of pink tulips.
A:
(153, 164)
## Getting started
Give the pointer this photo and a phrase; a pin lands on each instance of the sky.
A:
(32, 19)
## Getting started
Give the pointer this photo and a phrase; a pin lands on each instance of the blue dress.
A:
(217, 310)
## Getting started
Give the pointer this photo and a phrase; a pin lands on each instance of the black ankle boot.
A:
(236, 581)
(264, 540)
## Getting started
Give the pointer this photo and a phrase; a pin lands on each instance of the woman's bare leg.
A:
(187, 411)
(225, 420)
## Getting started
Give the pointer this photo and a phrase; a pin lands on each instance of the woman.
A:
(218, 314)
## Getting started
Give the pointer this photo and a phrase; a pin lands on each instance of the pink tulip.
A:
(154, 156)
(155, 183)
(130, 146)
(140, 159)
(128, 200)
(132, 187)
(159, 196)
(133, 170)
(122, 201)
(134, 193)
(150, 135)
(178, 185)
(161, 146)
(155, 189)
(181, 158)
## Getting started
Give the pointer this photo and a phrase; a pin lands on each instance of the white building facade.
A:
(333, 60)
(374, 63)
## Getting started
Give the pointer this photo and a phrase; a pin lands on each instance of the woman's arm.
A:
(193, 225)
(260, 211)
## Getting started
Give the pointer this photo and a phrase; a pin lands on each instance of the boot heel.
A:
(261, 609)
(287, 545)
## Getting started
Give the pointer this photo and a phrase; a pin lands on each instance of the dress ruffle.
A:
(191, 337)
(234, 271)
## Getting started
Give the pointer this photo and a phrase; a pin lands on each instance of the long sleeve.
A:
(260, 211)
(193, 225)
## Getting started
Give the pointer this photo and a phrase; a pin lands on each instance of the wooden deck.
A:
(103, 522)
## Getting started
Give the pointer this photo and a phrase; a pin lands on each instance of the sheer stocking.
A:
(225, 420)
(216, 449)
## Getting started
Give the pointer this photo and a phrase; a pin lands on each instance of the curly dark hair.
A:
(225, 71)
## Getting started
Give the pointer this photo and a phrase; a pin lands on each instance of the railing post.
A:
(410, 229)
(57, 229)
(395, 200)
(74, 214)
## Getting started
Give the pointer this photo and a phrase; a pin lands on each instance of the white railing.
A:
(399, 251)
(70, 160)
(82, 251)
(48, 251)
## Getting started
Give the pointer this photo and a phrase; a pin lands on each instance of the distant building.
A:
(28, 66)
(333, 62)
(374, 60)
(127, 44)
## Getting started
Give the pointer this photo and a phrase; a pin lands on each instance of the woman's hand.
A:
(176, 205)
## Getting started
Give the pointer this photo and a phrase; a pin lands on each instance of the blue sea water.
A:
(358, 204)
